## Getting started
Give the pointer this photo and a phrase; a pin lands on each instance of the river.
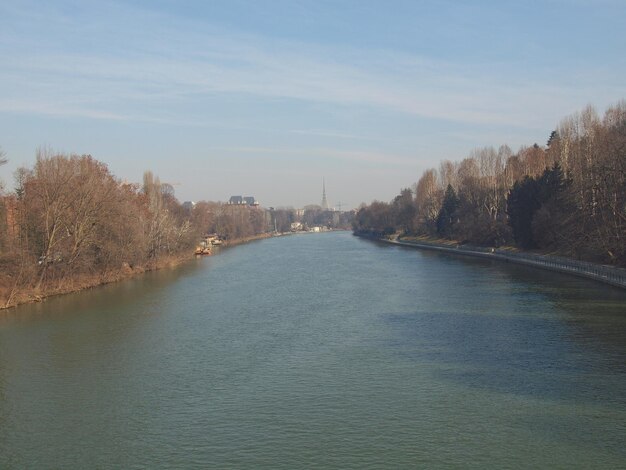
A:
(319, 351)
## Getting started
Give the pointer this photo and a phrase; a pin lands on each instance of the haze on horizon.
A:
(267, 98)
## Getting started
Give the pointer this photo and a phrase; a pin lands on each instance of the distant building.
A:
(251, 201)
(240, 200)
(188, 205)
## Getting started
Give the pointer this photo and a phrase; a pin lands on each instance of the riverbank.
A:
(605, 274)
(309, 323)
(262, 236)
(15, 295)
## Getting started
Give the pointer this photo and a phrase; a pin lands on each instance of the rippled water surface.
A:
(320, 350)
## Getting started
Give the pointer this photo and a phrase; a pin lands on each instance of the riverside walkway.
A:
(606, 274)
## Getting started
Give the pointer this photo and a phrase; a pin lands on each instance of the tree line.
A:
(567, 197)
(237, 221)
(70, 223)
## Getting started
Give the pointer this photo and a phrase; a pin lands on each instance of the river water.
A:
(319, 351)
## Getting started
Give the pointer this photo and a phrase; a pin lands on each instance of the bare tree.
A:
(428, 197)
(3, 160)
(448, 174)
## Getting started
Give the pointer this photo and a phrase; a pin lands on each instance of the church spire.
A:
(324, 201)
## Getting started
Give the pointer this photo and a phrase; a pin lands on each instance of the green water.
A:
(319, 351)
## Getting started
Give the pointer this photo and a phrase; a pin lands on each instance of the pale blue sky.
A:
(268, 97)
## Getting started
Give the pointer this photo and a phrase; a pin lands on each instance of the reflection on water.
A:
(319, 351)
(108, 297)
(596, 312)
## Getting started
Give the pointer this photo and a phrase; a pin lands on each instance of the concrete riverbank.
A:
(605, 274)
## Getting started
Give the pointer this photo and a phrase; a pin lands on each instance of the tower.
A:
(324, 201)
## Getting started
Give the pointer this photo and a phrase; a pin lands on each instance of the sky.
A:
(270, 98)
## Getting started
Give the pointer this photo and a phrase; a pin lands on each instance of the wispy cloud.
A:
(328, 133)
(167, 67)
(357, 156)
(384, 94)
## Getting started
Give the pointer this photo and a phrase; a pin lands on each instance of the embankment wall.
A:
(605, 274)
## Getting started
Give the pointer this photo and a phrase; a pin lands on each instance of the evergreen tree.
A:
(554, 137)
(445, 218)
(522, 203)
(551, 183)
(527, 197)
(404, 210)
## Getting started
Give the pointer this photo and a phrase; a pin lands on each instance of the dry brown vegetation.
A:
(567, 197)
(70, 224)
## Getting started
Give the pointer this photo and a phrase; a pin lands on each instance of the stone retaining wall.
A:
(606, 274)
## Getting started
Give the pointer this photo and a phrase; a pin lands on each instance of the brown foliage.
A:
(587, 220)
(75, 224)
